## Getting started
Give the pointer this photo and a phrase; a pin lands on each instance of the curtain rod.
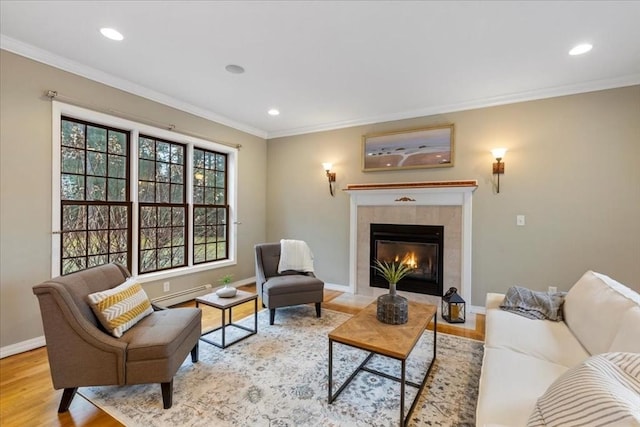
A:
(52, 95)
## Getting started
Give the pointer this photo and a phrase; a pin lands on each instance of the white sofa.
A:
(523, 357)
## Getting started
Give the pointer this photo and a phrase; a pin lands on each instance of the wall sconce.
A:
(331, 176)
(498, 167)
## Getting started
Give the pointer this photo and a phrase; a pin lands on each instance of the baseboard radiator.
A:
(181, 296)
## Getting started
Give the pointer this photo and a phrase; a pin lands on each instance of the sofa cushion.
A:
(120, 308)
(594, 309)
(603, 390)
(510, 383)
(543, 339)
(159, 335)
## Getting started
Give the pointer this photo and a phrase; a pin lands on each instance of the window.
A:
(95, 208)
(162, 204)
(209, 206)
(154, 200)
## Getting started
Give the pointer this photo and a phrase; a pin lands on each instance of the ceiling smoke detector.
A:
(234, 69)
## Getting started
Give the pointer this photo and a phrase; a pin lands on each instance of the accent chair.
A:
(81, 351)
(286, 288)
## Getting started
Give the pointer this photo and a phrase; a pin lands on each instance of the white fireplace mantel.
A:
(433, 193)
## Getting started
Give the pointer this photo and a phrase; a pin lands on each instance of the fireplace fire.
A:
(417, 246)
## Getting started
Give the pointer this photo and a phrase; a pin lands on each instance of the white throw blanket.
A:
(295, 255)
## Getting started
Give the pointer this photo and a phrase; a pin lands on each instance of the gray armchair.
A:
(81, 353)
(288, 288)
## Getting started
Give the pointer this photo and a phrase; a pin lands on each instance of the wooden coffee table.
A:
(227, 304)
(366, 332)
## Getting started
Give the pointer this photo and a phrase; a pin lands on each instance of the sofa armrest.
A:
(79, 352)
(494, 300)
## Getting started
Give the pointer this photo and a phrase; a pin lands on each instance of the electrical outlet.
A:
(520, 220)
(166, 286)
(553, 289)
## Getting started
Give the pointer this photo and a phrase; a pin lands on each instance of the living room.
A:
(570, 169)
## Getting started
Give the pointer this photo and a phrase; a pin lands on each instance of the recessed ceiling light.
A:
(234, 69)
(580, 49)
(112, 34)
(273, 112)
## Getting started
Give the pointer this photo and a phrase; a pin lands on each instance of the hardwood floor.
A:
(27, 397)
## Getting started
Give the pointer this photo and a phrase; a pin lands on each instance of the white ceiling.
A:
(332, 64)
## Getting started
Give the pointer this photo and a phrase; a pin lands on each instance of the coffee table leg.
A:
(402, 385)
(435, 337)
(255, 314)
(330, 369)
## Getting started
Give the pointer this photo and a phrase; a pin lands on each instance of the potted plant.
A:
(227, 291)
(392, 273)
(392, 308)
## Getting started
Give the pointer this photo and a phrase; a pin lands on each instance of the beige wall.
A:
(25, 137)
(572, 168)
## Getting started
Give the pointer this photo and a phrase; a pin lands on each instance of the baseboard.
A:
(477, 309)
(23, 346)
(336, 287)
(247, 281)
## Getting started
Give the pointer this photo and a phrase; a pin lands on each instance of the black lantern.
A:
(453, 307)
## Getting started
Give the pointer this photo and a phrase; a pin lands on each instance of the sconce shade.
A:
(498, 153)
(327, 166)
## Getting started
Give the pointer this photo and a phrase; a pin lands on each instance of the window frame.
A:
(206, 206)
(60, 109)
(166, 204)
(88, 202)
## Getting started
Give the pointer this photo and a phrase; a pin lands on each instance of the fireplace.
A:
(418, 246)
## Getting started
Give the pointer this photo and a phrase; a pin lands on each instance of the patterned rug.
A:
(279, 378)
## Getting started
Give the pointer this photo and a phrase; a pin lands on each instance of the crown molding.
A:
(29, 51)
(591, 86)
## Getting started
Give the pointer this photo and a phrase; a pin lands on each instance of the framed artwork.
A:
(430, 147)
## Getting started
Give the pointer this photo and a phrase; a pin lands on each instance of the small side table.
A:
(227, 304)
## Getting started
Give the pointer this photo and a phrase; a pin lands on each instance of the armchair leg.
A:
(194, 353)
(67, 397)
(272, 315)
(167, 394)
(318, 309)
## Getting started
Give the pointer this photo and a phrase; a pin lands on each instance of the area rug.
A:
(279, 378)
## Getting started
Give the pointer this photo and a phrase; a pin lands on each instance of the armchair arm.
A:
(260, 275)
(80, 354)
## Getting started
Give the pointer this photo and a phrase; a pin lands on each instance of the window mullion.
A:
(134, 215)
(188, 177)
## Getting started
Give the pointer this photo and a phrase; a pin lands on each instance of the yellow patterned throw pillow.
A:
(120, 308)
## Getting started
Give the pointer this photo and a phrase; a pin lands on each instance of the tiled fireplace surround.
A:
(446, 203)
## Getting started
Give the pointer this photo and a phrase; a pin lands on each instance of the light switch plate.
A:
(520, 220)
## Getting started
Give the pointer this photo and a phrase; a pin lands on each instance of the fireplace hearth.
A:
(417, 246)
